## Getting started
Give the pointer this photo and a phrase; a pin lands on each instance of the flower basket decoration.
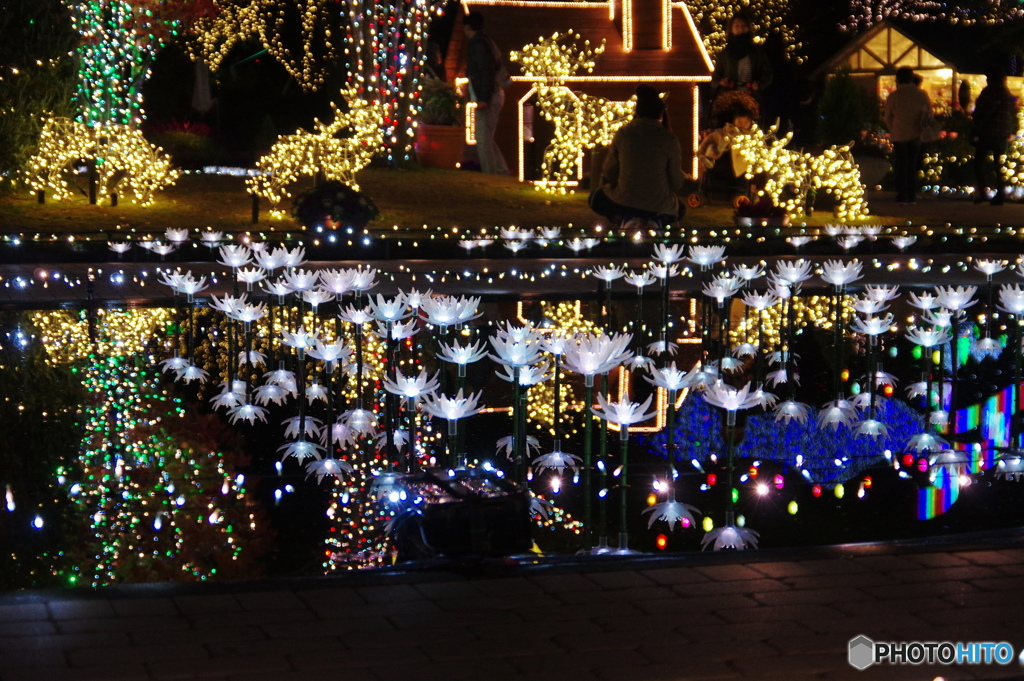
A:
(761, 212)
(334, 205)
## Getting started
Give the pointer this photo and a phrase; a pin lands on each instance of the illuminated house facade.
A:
(646, 41)
(944, 55)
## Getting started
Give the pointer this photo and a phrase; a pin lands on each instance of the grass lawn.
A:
(409, 200)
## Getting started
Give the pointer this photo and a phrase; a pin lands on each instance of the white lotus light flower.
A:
(668, 254)
(253, 358)
(663, 271)
(638, 361)
(624, 412)
(663, 348)
(590, 242)
(399, 439)
(531, 374)
(849, 241)
(340, 434)
(706, 256)
(781, 357)
(211, 238)
(411, 386)
(608, 274)
(928, 338)
(191, 373)
(160, 248)
(1011, 299)
(176, 236)
(282, 378)
(228, 399)
(799, 241)
(722, 287)
(576, 245)
(229, 305)
(550, 233)
(923, 301)
(364, 279)
(864, 400)
(872, 326)
(271, 392)
(917, 389)
(452, 408)
(506, 444)
(1019, 271)
(719, 394)
(515, 234)
(835, 230)
(705, 374)
(248, 413)
(956, 298)
(731, 365)
(836, 413)
(484, 243)
(321, 468)
(295, 257)
(330, 352)
(839, 273)
(148, 244)
(171, 279)
(672, 512)
(782, 375)
(356, 315)
(926, 442)
(445, 311)
(175, 364)
(989, 267)
(790, 411)
(765, 399)
(415, 298)
(556, 460)
(903, 242)
(272, 259)
(938, 318)
(870, 231)
(954, 462)
(730, 537)
(119, 247)
(250, 313)
(309, 426)
(361, 421)
(251, 275)
(744, 350)
(670, 378)
(759, 301)
(315, 391)
(300, 340)
(597, 354)
(871, 428)
(300, 280)
(640, 279)
(748, 273)
(301, 450)
(317, 297)
(277, 288)
(792, 272)
(399, 330)
(939, 417)
(468, 244)
(1010, 466)
(386, 310)
(511, 352)
(988, 344)
(235, 256)
(515, 245)
(460, 354)
(881, 293)
(338, 282)
(539, 506)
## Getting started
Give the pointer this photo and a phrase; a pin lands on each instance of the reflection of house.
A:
(647, 41)
(944, 55)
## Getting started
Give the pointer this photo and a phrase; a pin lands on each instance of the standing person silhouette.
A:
(994, 124)
(742, 69)
(907, 110)
(483, 65)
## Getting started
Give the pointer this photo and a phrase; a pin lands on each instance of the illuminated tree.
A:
(768, 16)
(156, 486)
(866, 13)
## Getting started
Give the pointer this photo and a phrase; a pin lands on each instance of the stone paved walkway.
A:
(778, 614)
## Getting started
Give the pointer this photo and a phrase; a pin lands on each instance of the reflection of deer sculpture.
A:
(334, 151)
(581, 121)
(789, 176)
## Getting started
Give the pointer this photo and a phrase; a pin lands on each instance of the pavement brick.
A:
(873, 626)
(625, 639)
(388, 594)
(787, 666)
(742, 632)
(634, 594)
(340, 659)
(358, 612)
(936, 589)
(674, 576)
(448, 590)
(511, 630)
(27, 628)
(878, 608)
(270, 600)
(696, 605)
(959, 573)
(694, 669)
(824, 566)
(669, 621)
(811, 596)
(79, 610)
(218, 667)
(799, 613)
(20, 612)
(744, 587)
(493, 649)
(937, 559)
(423, 636)
(584, 611)
(226, 632)
(887, 564)
(103, 673)
(130, 607)
(854, 581)
(509, 586)
(330, 598)
(622, 579)
(121, 624)
(316, 628)
(59, 642)
(215, 603)
(718, 650)
(539, 600)
(31, 657)
(350, 675)
(253, 618)
(495, 670)
(728, 573)
(556, 584)
(1000, 584)
(992, 557)
(814, 643)
(462, 618)
(554, 665)
(147, 654)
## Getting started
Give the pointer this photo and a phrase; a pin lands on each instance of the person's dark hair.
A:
(904, 74)
(648, 102)
(474, 20)
(739, 16)
(995, 73)
(738, 111)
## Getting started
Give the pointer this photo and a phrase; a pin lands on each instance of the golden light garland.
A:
(336, 150)
(581, 121)
(118, 333)
(123, 158)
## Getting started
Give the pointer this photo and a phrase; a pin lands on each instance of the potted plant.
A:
(761, 212)
(333, 205)
(440, 136)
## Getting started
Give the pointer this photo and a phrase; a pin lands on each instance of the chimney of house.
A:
(648, 29)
